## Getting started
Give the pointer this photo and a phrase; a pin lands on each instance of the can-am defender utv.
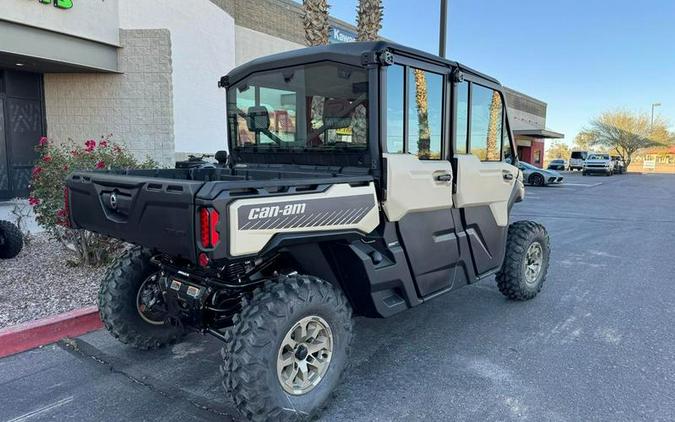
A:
(363, 179)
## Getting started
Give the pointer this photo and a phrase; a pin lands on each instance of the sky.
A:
(580, 57)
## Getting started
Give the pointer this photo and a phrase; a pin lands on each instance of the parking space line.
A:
(583, 184)
(41, 410)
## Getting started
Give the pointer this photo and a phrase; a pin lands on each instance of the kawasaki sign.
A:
(61, 4)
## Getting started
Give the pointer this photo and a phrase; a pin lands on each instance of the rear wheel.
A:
(11, 240)
(526, 262)
(287, 348)
(130, 303)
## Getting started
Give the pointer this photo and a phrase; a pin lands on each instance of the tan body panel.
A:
(412, 187)
(253, 222)
(484, 183)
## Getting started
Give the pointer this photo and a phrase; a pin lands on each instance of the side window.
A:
(461, 125)
(506, 142)
(395, 109)
(486, 123)
(425, 114)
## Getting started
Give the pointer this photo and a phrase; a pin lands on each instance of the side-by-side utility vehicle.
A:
(362, 179)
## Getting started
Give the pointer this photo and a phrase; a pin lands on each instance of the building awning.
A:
(538, 133)
(38, 50)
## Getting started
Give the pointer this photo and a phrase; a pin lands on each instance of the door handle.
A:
(508, 176)
(445, 177)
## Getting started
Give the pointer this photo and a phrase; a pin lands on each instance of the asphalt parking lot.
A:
(597, 344)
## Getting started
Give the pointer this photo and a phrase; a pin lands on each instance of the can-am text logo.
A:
(61, 4)
(276, 210)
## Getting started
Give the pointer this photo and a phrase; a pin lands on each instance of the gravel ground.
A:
(39, 282)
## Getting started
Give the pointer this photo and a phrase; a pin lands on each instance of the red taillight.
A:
(208, 222)
(214, 218)
(203, 259)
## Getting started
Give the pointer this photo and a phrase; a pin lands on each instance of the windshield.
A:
(598, 157)
(579, 155)
(556, 161)
(322, 106)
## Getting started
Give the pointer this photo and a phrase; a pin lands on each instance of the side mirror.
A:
(257, 119)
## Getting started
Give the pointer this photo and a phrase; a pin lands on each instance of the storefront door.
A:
(21, 126)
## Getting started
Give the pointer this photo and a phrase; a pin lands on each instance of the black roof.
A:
(348, 53)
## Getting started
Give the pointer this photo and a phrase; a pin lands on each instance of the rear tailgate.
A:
(152, 212)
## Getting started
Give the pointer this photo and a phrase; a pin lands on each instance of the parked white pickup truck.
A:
(598, 163)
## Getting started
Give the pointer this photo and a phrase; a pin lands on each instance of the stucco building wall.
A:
(136, 106)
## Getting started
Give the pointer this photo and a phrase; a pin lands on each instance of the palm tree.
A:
(369, 19)
(315, 21)
(422, 102)
(492, 151)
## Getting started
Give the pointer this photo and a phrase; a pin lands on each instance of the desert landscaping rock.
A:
(39, 282)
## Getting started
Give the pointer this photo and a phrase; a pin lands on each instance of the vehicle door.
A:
(418, 185)
(485, 183)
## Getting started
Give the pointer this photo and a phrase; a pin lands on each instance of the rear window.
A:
(318, 107)
(579, 155)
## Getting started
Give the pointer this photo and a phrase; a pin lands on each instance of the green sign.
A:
(61, 4)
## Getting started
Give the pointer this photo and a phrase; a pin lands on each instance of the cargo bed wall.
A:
(156, 213)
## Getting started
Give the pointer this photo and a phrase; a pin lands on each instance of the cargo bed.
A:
(158, 208)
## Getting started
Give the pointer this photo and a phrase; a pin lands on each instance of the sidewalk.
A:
(6, 208)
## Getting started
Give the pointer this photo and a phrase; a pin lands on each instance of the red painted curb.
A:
(22, 337)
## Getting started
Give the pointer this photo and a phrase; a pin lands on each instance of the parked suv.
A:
(324, 210)
(598, 163)
(577, 160)
(558, 164)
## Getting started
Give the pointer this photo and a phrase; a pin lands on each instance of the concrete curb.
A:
(22, 337)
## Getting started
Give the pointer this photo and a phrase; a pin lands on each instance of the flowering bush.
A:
(54, 164)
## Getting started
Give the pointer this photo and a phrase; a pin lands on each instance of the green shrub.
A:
(54, 164)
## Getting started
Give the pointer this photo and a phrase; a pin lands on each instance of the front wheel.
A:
(130, 303)
(537, 179)
(526, 261)
(287, 348)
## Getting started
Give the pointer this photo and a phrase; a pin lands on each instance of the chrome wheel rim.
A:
(149, 303)
(304, 355)
(534, 259)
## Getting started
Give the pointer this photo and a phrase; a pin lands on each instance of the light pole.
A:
(654, 105)
(443, 28)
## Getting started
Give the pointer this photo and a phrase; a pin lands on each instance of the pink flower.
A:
(100, 165)
(43, 141)
(33, 201)
(62, 218)
(103, 144)
(36, 171)
(74, 153)
(90, 145)
(47, 158)
(65, 168)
